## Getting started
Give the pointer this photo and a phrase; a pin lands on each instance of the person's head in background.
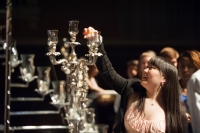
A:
(188, 63)
(170, 54)
(143, 61)
(132, 67)
(93, 71)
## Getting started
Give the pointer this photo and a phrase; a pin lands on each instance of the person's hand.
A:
(92, 35)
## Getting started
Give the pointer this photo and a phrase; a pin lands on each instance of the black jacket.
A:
(122, 86)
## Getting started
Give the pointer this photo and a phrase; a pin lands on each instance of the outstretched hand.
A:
(92, 35)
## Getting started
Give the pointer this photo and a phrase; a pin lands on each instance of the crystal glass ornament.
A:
(73, 29)
(27, 68)
(43, 81)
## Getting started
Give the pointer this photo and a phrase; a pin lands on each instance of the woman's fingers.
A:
(90, 33)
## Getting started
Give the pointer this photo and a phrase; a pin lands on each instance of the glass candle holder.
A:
(73, 29)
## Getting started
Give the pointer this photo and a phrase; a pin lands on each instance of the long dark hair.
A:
(171, 95)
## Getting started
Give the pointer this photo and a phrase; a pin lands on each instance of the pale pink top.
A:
(134, 123)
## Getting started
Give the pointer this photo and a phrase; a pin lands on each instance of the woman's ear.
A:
(163, 79)
(162, 82)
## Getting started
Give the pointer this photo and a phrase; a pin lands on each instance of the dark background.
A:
(129, 27)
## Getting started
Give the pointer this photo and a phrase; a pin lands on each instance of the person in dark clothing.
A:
(149, 105)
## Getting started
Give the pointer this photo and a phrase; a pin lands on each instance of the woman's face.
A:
(186, 68)
(152, 78)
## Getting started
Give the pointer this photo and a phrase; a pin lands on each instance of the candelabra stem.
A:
(72, 56)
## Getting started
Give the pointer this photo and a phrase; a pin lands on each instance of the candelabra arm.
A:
(55, 62)
(92, 58)
(64, 62)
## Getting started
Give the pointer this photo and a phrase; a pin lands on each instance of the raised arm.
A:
(111, 77)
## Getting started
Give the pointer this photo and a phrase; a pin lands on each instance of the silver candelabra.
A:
(77, 73)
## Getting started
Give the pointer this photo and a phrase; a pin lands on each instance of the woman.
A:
(188, 63)
(151, 105)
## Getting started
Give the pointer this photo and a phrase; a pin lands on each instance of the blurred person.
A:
(151, 52)
(188, 63)
(149, 105)
(96, 94)
(91, 81)
(132, 67)
(143, 61)
(170, 54)
(193, 94)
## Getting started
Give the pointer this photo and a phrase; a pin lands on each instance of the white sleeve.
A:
(193, 93)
